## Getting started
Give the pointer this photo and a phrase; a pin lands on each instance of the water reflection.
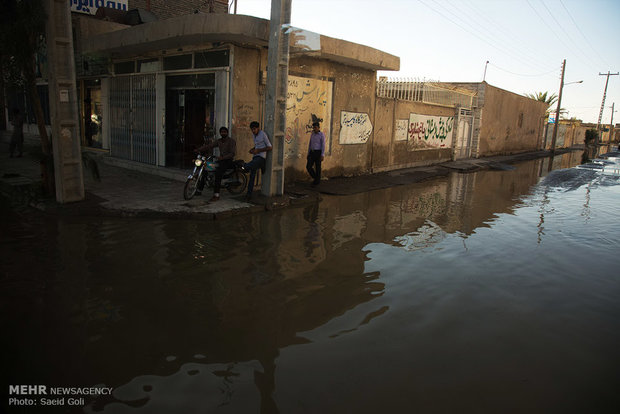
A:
(382, 294)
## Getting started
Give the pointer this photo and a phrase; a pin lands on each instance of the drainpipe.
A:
(148, 5)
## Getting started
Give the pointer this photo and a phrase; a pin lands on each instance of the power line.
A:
(547, 24)
(583, 35)
(505, 51)
(522, 74)
(504, 30)
(490, 36)
(565, 32)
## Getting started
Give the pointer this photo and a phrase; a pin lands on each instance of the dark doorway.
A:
(189, 116)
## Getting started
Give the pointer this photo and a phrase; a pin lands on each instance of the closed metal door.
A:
(463, 142)
(132, 118)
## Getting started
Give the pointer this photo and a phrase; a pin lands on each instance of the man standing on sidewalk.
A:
(17, 138)
(316, 153)
(261, 147)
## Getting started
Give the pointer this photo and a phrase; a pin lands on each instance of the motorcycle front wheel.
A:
(238, 182)
(191, 185)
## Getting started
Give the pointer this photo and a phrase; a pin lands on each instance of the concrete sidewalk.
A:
(132, 189)
(123, 191)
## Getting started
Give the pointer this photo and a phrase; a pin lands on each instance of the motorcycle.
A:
(234, 179)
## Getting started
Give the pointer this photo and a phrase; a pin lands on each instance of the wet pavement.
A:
(128, 188)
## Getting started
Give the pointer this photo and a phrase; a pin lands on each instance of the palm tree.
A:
(546, 98)
(543, 97)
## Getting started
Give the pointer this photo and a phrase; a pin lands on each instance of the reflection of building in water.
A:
(418, 213)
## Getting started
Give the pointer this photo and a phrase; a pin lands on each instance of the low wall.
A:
(511, 123)
(401, 141)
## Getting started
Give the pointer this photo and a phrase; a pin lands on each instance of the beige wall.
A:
(511, 123)
(389, 154)
(353, 90)
(248, 98)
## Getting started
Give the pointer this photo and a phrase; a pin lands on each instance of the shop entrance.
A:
(189, 118)
(93, 119)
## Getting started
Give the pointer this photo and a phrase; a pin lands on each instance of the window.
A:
(121, 68)
(178, 62)
(148, 65)
(190, 81)
(214, 59)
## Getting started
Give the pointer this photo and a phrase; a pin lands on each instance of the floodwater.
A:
(490, 292)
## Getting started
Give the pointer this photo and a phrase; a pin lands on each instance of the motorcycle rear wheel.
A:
(238, 182)
(191, 185)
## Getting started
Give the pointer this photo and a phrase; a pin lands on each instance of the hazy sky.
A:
(524, 41)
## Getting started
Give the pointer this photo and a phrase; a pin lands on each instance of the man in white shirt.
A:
(261, 147)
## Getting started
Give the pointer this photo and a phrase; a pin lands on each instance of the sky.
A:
(524, 41)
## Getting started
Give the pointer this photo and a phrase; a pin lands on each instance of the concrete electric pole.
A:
(600, 115)
(63, 103)
(611, 123)
(275, 100)
(557, 111)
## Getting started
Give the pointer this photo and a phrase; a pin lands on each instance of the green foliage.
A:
(591, 136)
(550, 100)
(543, 97)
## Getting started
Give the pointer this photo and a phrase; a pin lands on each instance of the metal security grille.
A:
(120, 117)
(464, 134)
(420, 91)
(132, 118)
(144, 130)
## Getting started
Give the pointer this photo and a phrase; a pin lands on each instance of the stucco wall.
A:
(353, 91)
(569, 135)
(390, 154)
(511, 123)
(248, 97)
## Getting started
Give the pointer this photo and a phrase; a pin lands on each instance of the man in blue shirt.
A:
(261, 147)
(316, 153)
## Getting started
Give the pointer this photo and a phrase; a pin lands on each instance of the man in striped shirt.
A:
(316, 153)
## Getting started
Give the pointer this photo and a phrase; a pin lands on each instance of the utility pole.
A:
(611, 123)
(557, 111)
(275, 99)
(63, 103)
(600, 115)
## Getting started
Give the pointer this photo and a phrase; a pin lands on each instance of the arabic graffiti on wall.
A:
(402, 127)
(355, 127)
(307, 101)
(427, 131)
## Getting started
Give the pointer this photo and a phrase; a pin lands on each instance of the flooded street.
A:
(489, 292)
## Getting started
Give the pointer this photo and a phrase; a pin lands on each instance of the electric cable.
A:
(526, 75)
(583, 35)
(565, 32)
(503, 31)
(502, 50)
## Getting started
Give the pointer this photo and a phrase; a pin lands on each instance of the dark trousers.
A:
(256, 163)
(314, 165)
(223, 165)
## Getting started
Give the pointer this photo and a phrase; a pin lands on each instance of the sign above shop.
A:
(91, 6)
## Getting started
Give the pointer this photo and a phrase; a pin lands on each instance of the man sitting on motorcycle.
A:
(227, 147)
